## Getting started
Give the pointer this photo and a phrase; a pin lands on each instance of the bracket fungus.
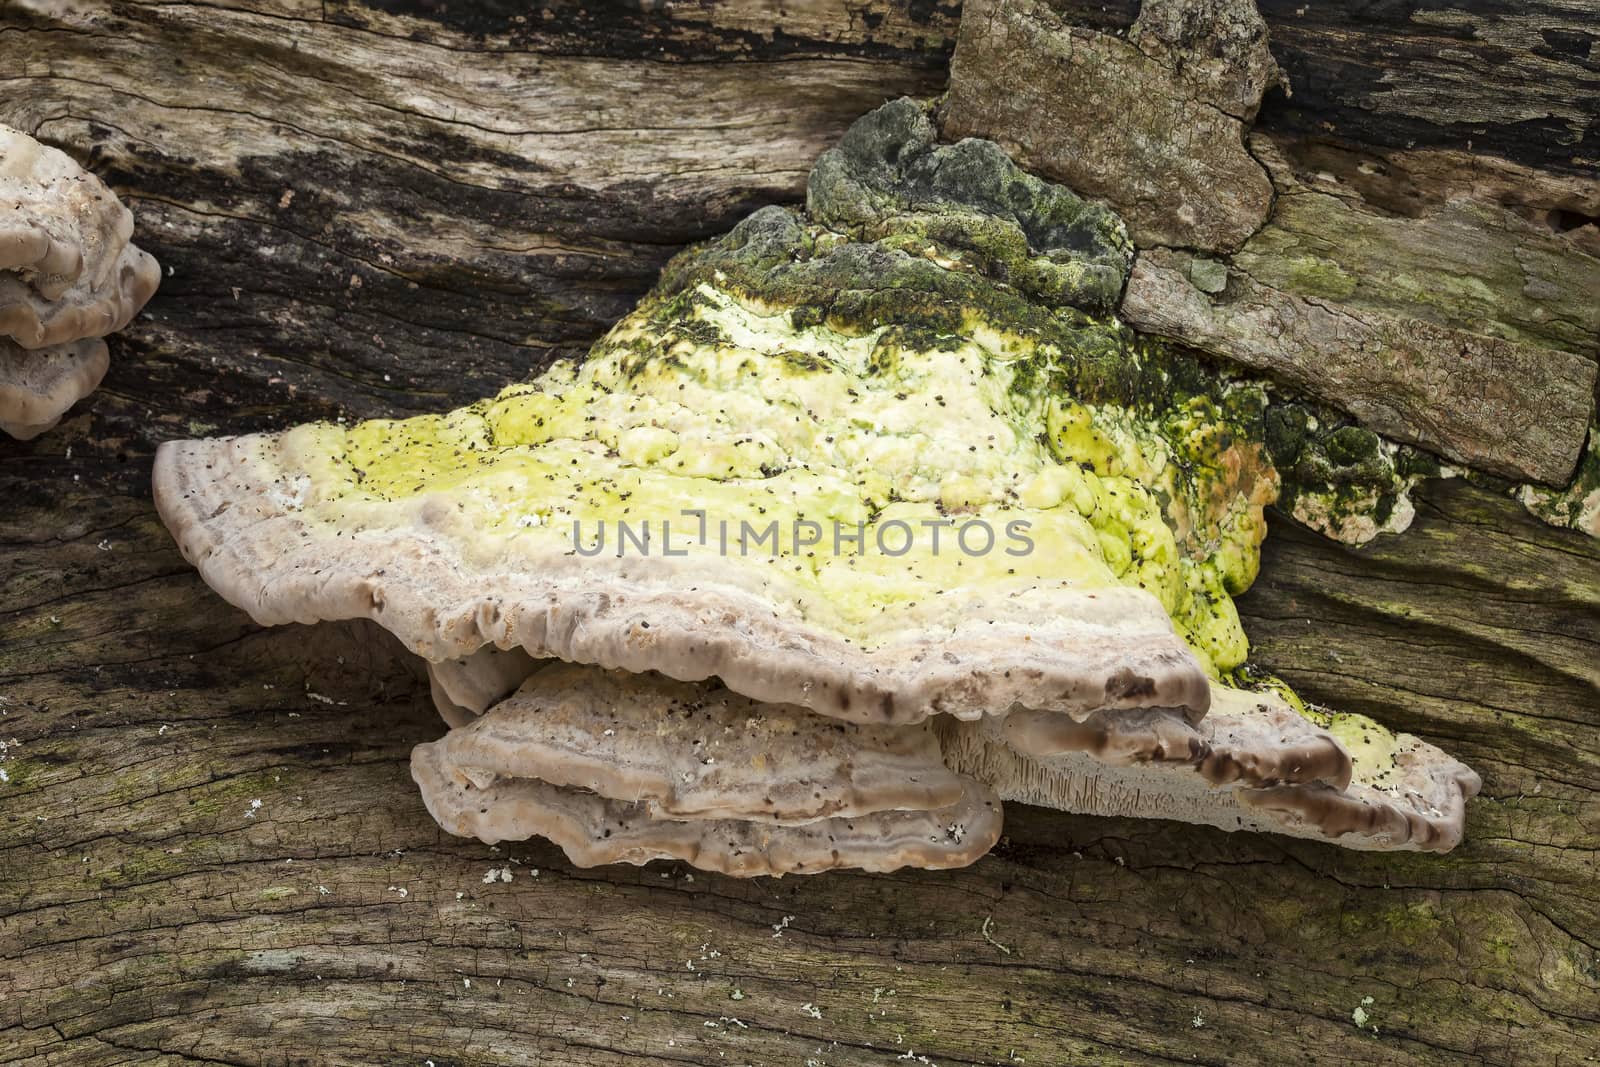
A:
(69, 275)
(867, 518)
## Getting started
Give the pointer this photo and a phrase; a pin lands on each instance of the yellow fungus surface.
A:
(927, 468)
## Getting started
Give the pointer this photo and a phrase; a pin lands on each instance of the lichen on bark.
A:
(1577, 505)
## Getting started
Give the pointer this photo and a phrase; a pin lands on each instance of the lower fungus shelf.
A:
(617, 767)
(594, 829)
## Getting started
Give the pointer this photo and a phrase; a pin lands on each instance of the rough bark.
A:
(374, 212)
(1453, 238)
(1063, 100)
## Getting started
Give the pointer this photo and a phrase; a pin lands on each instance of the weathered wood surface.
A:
(369, 212)
(1515, 78)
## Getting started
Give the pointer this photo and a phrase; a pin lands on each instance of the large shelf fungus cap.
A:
(256, 516)
(68, 274)
(876, 378)
(821, 417)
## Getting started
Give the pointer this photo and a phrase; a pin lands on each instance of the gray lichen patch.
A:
(1340, 479)
(1577, 506)
(1479, 248)
(818, 276)
(888, 181)
(1153, 125)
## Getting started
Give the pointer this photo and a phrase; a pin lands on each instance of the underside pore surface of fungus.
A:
(868, 517)
(69, 274)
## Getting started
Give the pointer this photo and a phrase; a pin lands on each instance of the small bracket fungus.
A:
(861, 522)
(69, 274)
(593, 829)
(698, 751)
(1256, 764)
(36, 387)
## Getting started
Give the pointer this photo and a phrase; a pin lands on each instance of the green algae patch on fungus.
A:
(794, 433)
(1191, 440)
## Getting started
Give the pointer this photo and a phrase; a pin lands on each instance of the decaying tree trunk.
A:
(210, 849)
